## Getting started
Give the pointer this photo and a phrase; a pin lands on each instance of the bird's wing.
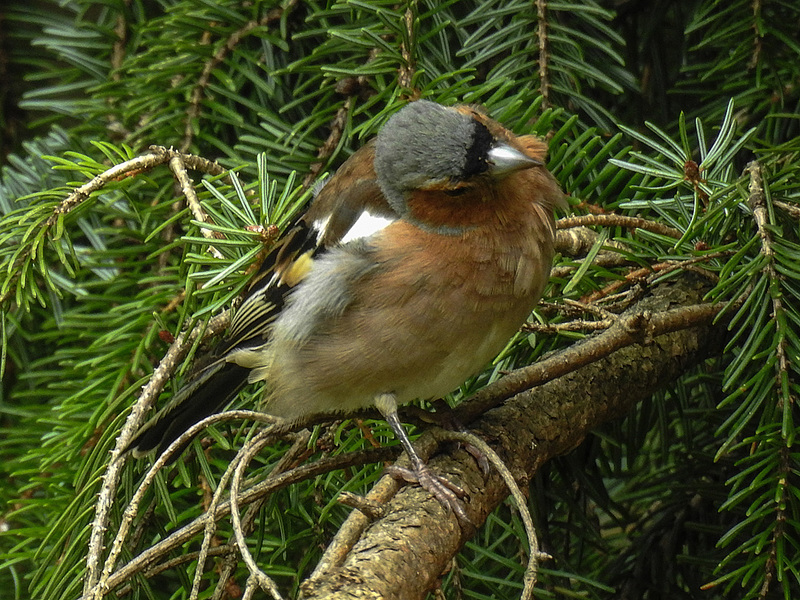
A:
(347, 206)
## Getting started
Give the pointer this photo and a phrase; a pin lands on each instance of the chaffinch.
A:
(412, 268)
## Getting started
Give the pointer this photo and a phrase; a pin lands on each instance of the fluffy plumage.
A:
(411, 269)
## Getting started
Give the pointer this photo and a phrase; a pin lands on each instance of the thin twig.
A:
(793, 210)
(578, 241)
(244, 457)
(627, 330)
(130, 512)
(659, 270)
(229, 565)
(162, 374)
(591, 308)
(371, 509)
(544, 52)
(535, 555)
(612, 220)
(115, 127)
(177, 561)
(569, 326)
(291, 458)
(178, 168)
(250, 587)
(211, 527)
(259, 490)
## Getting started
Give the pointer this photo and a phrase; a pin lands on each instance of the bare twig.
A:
(250, 587)
(244, 457)
(591, 308)
(536, 555)
(290, 459)
(569, 326)
(177, 561)
(178, 168)
(150, 392)
(757, 203)
(149, 557)
(793, 210)
(371, 509)
(612, 220)
(659, 270)
(628, 329)
(211, 526)
(224, 585)
(578, 241)
(607, 319)
(544, 52)
(98, 590)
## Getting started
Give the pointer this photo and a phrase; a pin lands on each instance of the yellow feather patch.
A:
(297, 271)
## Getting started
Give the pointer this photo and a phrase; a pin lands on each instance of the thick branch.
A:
(404, 553)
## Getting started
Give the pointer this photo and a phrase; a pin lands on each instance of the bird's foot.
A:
(447, 493)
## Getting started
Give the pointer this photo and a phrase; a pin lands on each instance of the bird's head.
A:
(431, 148)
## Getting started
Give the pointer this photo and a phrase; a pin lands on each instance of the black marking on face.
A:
(478, 152)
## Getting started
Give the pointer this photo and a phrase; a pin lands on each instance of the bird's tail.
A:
(205, 394)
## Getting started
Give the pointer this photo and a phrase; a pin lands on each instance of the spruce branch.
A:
(80, 346)
(256, 491)
(786, 401)
(544, 52)
(234, 39)
(130, 168)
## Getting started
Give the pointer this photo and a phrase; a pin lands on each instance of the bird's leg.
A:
(445, 418)
(447, 493)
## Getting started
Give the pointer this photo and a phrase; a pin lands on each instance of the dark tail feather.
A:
(204, 395)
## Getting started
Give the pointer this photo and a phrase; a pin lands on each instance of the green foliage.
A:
(745, 51)
(650, 109)
(758, 276)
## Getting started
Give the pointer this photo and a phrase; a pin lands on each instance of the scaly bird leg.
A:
(447, 493)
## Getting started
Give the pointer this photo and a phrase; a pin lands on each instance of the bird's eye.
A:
(459, 191)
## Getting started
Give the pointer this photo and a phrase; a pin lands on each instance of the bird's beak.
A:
(505, 159)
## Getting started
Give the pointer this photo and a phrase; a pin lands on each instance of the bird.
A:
(410, 270)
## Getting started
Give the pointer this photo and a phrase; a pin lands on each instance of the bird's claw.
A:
(447, 493)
